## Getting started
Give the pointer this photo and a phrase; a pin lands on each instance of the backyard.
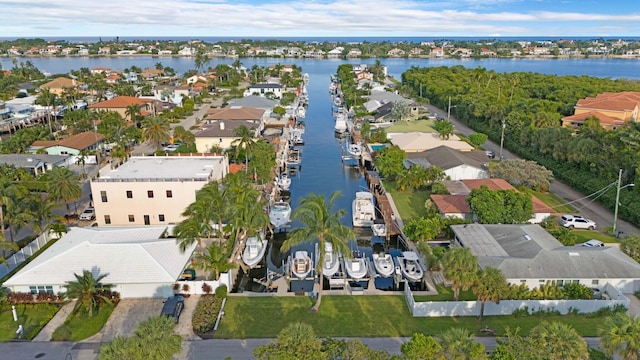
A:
(411, 126)
(410, 204)
(365, 316)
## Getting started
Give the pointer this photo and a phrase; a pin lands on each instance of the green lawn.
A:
(33, 318)
(363, 316)
(411, 126)
(79, 326)
(586, 235)
(410, 204)
(550, 200)
(446, 294)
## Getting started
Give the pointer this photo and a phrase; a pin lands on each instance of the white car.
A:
(577, 222)
(171, 148)
(88, 214)
(593, 243)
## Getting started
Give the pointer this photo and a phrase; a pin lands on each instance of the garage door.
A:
(145, 290)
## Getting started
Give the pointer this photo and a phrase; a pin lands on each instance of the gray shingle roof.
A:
(447, 158)
(30, 161)
(253, 101)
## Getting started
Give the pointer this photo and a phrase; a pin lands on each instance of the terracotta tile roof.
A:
(235, 168)
(492, 184)
(604, 118)
(235, 113)
(78, 141)
(451, 204)
(120, 102)
(59, 83)
(623, 101)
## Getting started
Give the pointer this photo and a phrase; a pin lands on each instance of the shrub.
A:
(521, 312)
(221, 291)
(578, 291)
(175, 287)
(206, 313)
(206, 288)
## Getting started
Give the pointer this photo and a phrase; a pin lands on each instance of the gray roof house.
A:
(36, 163)
(456, 164)
(528, 254)
(258, 102)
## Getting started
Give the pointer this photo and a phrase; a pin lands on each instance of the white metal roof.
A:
(126, 255)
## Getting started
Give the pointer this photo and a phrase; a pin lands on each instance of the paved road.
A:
(592, 210)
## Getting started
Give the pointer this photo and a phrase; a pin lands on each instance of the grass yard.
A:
(446, 294)
(33, 318)
(410, 204)
(550, 200)
(411, 126)
(364, 316)
(586, 235)
(79, 326)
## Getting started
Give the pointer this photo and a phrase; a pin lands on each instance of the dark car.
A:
(173, 307)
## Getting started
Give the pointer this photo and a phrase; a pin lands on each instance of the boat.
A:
(280, 214)
(410, 266)
(331, 262)
(356, 267)
(379, 228)
(294, 157)
(254, 250)
(284, 182)
(354, 150)
(295, 137)
(363, 210)
(383, 264)
(341, 125)
(301, 264)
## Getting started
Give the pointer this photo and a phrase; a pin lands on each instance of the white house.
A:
(456, 164)
(139, 262)
(527, 254)
(264, 89)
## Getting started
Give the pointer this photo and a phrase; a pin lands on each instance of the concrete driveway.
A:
(126, 317)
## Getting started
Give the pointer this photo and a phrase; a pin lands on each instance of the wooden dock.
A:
(375, 186)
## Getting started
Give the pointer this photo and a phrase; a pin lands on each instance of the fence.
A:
(24, 253)
(195, 287)
(507, 307)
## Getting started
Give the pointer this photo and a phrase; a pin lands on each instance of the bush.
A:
(221, 291)
(206, 313)
(206, 288)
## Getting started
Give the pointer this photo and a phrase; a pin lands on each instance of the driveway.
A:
(126, 317)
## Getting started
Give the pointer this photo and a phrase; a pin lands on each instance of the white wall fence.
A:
(24, 253)
(195, 287)
(507, 307)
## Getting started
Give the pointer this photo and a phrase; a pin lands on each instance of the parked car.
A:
(171, 148)
(173, 307)
(490, 154)
(577, 222)
(89, 214)
(593, 243)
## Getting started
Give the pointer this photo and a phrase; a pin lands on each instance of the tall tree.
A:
(132, 112)
(559, 341)
(459, 344)
(48, 99)
(245, 141)
(620, 335)
(491, 285)
(422, 347)
(89, 291)
(153, 339)
(213, 261)
(461, 268)
(296, 341)
(319, 222)
(63, 185)
(155, 130)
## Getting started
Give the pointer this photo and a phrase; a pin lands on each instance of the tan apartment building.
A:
(153, 190)
(612, 109)
(120, 104)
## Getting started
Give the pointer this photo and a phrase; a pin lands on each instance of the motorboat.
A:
(331, 262)
(254, 250)
(363, 210)
(284, 182)
(341, 125)
(356, 267)
(280, 214)
(301, 264)
(354, 150)
(410, 266)
(379, 228)
(384, 264)
(295, 137)
(294, 157)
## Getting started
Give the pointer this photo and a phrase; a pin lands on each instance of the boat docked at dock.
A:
(284, 182)
(354, 150)
(383, 263)
(254, 250)
(363, 210)
(301, 264)
(410, 266)
(340, 126)
(280, 214)
(356, 267)
(331, 262)
(379, 228)
(294, 158)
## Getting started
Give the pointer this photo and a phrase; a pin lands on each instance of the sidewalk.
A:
(59, 319)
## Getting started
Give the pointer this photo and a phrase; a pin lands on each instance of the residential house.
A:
(120, 104)
(197, 78)
(395, 52)
(187, 51)
(220, 134)
(487, 52)
(612, 109)
(153, 190)
(437, 52)
(354, 53)
(71, 145)
(139, 262)
(172, 94)
(83, 52)
(151, 74)
(455, 204)
(335, 53)
(100, 70)
(253, 101)
(417, 141)
(104, 50)
(237, 113)
(264, 89)
(527, 254)
(456, 164)
(363, 76)
(59, 85)
(36, 164)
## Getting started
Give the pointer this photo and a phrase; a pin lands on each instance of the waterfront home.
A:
(418, 141)
(153, 190)
(611, 109)
(264, 89)
(120, 104)
(254, 101)
(527, 254)
(140, 262)
(354, 53)
(237, 113)
(59, 85)
(220, 134)
(172, 94)
(36, 164)
(456, 164)
(335, 53)
(71, 145)
(151, 74)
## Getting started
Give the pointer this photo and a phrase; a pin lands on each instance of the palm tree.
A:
(461, 268)
(89, 291)
(190, 231)
(620, 334)
(490, 286)
(6, 245)
(48, 99)
(444, 128)
(559, 341)
(43, 213)
(132, 112)
(63, 185)
(213, 261)
(155, 130)
(81, 160)
(245, 140)
(320, 223)
(459, 344)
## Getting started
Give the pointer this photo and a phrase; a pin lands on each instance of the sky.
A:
(317, 18)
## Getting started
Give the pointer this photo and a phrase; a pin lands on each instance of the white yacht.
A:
(356, 267)
(354, 150)
(379, 228)
(410, 266)
(341, 125)
(331, 262)
(363, 210)
(301, 264)
(254, 250)
(383, 264)
(280, 214)
(284, 182)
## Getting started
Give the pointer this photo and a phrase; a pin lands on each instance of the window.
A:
(542, 281)
(49, 289)
(41, 289)
(132, 218)
(559, 283)
(575, 281)
(169, 193)
(33, 290)
(523, 281)
(129, 194)
(107, 219)
(103, 195)
(594, 282)
(149, 193)
(161, 217)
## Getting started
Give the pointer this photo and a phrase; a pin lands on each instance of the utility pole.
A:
(504, 125)
(449, 109)
(615, 211)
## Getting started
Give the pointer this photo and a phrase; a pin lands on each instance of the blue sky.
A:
(349, 18)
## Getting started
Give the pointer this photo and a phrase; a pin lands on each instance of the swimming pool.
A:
(377, 147)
